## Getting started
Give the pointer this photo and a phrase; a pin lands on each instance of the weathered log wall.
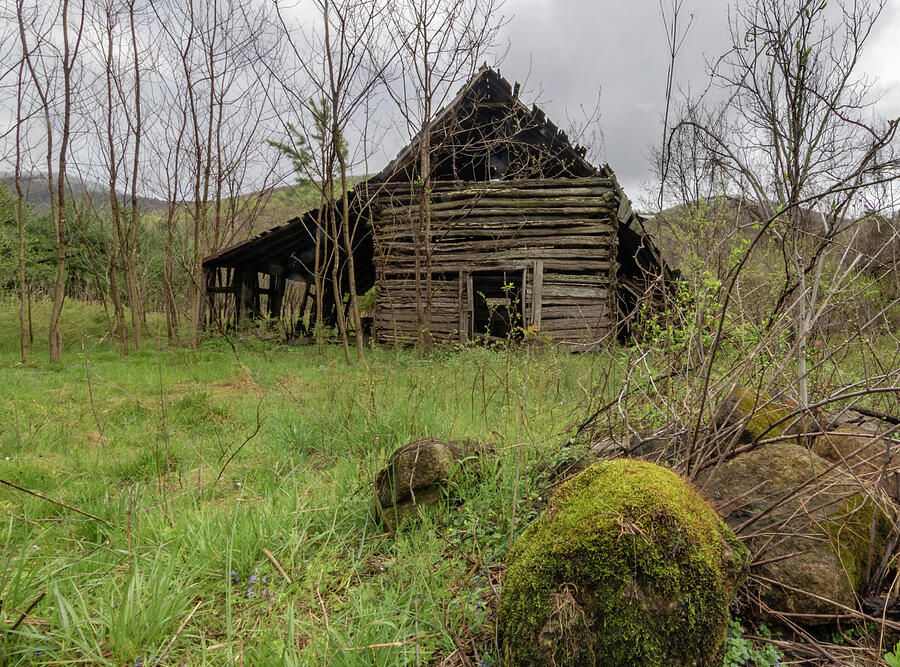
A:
(554, 237)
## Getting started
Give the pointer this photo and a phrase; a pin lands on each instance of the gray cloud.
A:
(569, 49)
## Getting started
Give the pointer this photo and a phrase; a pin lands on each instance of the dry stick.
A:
(87, 375)
(178, 632)
(27, 611)
(512, 521)
(590, 420)
(850, 610)
(877, 414)
(237, 451)
(392, 644)
(57, 502)
(277, 565)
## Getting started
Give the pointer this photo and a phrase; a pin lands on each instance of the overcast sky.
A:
(567, 50)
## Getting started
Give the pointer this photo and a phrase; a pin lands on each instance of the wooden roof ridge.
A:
(509, 95)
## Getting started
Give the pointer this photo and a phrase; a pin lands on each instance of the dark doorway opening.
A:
(498, 303)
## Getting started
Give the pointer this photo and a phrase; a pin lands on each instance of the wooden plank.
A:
(540, 183)
(441, 246)
(576, 332)
(470, 306)
(538, 292)
(443, 322)
(502, 264)
(565, 278)
(410, 284)
(527, 254)
(513, 212)
(478, 203)
(442, 196)
(591, 314)
(574, 292)
(505, 229)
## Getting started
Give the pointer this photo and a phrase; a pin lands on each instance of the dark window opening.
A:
(498, 303)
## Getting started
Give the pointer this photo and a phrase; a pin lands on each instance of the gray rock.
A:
(416, 476)
(810, 527)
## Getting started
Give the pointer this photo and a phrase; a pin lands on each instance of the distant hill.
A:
(279, 204)
(38, 196)
(712, 230)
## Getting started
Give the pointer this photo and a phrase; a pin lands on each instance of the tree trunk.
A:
(121, 330)
(20, 217)
(59, 287)
(132, 283)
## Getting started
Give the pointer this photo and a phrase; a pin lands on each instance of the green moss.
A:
(628, 565)
(850, 529)
(767, 418)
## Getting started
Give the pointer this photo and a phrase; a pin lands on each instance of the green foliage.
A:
(367, 300)
(295, 149)
(743, 652)
(299, 150)
(86, 246)
(892, 658)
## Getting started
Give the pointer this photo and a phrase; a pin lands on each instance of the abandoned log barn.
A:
(513, 228)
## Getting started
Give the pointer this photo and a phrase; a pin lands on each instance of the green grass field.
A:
(195, 463)
(214, 506)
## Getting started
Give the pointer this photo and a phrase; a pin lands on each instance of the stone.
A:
(813, 531)
(867, 452)
(757, 415)
(628, 565)
(416, 476)
(393, 515)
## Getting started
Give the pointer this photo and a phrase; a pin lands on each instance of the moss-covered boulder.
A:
(413, 478)
(628, 565)
(753, 414)
(808, 526)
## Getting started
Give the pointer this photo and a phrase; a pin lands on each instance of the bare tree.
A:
(792, 134)
(44, 62)
(113, 160)
(335, 70)
(227, 115)
(134, 118)
(440, 44)
(20, 211)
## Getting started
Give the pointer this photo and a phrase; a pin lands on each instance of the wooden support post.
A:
(537, 293)
(463, 311)
(523, 297)
(255, 307)
(207, 275)
(276, 295)
(244, 296)
(470, 307)
(305, 289)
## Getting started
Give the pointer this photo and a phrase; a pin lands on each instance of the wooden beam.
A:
(470, 307)
(538, 293)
